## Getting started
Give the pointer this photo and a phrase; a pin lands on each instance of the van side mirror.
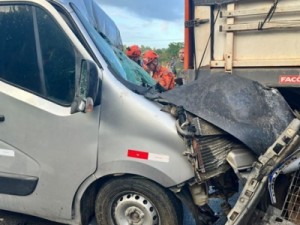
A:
(87, 90)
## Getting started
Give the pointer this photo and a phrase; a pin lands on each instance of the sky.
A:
(154, 23)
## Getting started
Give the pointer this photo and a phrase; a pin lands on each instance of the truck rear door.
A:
(254, 39)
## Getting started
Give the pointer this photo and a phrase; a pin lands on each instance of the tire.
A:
(136, 201)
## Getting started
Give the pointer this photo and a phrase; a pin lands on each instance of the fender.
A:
(157, 172)
(137, 137)
(164, 175)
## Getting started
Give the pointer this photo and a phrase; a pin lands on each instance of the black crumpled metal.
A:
(252, 113)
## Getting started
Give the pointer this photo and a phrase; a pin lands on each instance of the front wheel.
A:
(136, 201)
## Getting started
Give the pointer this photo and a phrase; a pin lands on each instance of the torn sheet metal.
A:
(252, 113)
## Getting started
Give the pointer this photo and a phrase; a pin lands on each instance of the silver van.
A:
(85, 132)
(77, 137)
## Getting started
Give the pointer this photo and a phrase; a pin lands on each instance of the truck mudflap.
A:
(252, 113)
(271, 217)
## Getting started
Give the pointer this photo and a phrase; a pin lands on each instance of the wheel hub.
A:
(133, 209)
(134, 215)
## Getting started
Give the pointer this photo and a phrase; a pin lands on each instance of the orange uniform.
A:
(159, 73)
(164, 77)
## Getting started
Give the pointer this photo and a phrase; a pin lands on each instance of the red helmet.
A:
(133, 51)
(149, 56)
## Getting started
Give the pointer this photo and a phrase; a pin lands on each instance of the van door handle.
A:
(2, 118)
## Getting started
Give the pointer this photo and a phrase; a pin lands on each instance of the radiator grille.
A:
(291, 209)
(213, 151)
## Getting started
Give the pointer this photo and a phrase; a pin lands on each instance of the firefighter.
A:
(158, 72)
(134, 53)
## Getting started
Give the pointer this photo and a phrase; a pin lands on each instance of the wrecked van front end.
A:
(236, 131)
(199, 141)
(125, 152)
(223, 127)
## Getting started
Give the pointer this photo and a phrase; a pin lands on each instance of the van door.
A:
(45, 152)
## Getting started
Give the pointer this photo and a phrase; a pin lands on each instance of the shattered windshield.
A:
(119, 64)
(134, 72)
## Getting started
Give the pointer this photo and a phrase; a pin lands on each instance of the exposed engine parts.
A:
(207, 145)
(215, 154)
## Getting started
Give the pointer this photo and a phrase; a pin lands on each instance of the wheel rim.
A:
(134, 209)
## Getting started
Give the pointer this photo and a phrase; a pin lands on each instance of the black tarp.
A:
(99, 19)
(252, 113)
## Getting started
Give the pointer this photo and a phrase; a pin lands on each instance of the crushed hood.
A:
(252, 113)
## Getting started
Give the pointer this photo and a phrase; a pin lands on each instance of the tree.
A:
(173, 48)
(167, 54)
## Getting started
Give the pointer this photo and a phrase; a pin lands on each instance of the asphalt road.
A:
(9, 218)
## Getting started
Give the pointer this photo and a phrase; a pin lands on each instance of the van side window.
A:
(18, 61)
(35, 53)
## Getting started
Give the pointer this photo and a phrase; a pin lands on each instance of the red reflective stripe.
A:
(137, 154)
